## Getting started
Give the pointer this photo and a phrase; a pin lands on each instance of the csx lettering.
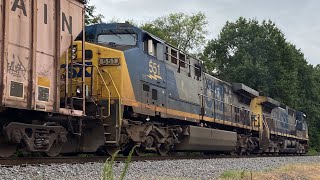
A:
(66, 21)
(76, 72)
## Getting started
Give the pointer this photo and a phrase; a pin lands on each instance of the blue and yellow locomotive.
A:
(147, 93)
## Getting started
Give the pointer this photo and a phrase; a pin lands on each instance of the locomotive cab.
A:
(301, 127)
(109, 84)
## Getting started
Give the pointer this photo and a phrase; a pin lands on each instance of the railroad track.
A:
(8, 162)
(79, 160)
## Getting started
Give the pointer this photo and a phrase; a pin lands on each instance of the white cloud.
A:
(297, 19)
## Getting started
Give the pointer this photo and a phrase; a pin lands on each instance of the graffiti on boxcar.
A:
(16, 68)
(45, 70)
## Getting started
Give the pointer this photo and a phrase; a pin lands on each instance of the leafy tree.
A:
(185, 32)
(90, 16)
(256, 54)
(311, 105)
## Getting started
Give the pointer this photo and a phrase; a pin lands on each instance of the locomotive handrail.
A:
(119, 97)
(265, 123)
(109, 93)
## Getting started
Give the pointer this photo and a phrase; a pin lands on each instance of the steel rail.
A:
(25, 161)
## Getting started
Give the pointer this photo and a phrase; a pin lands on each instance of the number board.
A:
(109, 61)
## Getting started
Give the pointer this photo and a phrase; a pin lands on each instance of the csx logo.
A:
(76, 71)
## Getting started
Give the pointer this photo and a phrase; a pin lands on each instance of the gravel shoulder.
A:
(157, 170)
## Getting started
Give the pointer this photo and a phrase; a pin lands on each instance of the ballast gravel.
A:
(152, 170)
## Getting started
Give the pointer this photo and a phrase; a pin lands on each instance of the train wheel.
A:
(163, 149)
(7, 150)
(140, 151)
(54, 150)
(126, 151)
(111, 150)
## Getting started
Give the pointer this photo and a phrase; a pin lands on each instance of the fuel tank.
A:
(206, 139)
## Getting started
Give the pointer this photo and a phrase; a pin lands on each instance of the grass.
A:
(108, 174)
(291, 171)
(232, 175)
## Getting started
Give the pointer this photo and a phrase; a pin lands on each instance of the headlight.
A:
(74, 49)
(74, 56)
(74, 52)
(79, 90)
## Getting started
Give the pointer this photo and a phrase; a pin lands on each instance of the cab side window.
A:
(154, 48)
(197, 70)
(182, 60)
(174, 56)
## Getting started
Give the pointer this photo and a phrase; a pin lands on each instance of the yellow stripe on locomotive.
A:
(106, 72)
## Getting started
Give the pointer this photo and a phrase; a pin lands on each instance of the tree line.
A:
(246, 51)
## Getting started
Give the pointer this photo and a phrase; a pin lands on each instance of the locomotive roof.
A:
(98, 28)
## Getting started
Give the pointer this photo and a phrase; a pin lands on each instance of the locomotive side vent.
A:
(16, 89)
(43, 94)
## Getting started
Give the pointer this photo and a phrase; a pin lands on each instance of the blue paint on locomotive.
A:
(139, 62)
(163, 76)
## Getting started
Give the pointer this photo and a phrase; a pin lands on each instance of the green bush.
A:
(312, 152)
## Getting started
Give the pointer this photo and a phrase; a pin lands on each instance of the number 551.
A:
(154, 68)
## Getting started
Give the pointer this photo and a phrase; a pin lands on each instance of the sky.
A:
(298, 20)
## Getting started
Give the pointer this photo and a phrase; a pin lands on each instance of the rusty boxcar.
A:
(34, 35)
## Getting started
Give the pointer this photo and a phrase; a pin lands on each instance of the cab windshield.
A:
(118, 39)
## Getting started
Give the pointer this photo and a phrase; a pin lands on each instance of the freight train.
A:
(114, 87)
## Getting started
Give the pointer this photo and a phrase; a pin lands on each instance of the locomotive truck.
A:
(68, 89)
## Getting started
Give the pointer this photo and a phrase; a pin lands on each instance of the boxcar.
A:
(34, 35)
